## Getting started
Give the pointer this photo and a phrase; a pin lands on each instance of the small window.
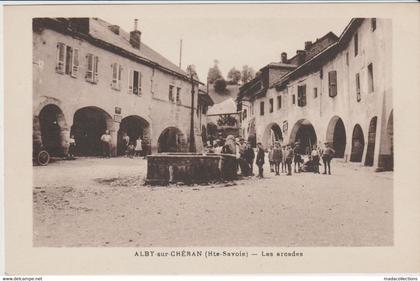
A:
(302, 95)
(370, 78)
(293, 99)
(171, 93)
(347, 58)
(61, 55)
(69, 56)
(271, 105)
(358, 96)
(244, 114)
(332, 83)
(178, 95)
(262, 108)
(116, 76)
(356, 44)
(92, 68)
(373, 24)
(278, 102)
(315, 93)
(134, 82)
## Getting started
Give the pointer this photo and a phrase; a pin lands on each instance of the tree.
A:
(214, 73)
(248, 74)
(220, 85)
(234, 76)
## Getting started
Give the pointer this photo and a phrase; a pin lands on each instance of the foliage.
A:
(220, 85)
(248, 74)
(214, 73)
(234, 76)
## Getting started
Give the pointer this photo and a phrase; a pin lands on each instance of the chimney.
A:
(300, 56)
(135, 36)
(308, 45)
(115, 29)
(284, 57)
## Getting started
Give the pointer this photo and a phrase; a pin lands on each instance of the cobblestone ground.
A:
(103, 202)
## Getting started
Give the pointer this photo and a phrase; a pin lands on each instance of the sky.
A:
(232, 36)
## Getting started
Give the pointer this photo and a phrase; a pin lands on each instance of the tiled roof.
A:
(99, 29)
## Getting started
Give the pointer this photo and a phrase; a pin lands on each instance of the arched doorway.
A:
(272, 134)
(357, 144)
(52, 126)
(303, 132)
(172, 140)
(336, 135)
(370, 152)
(89, 123)
(134, 127)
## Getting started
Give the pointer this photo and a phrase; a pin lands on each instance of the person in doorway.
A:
(249, 156)
(125, 142)
(315, 159)
(277, 156)
(260, 160)
(72, 148)
(289, 159)
(327, 157)
(106, 144)
(139, 147)
(297, 157)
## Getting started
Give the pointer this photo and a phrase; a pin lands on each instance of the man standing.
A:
(289, 159)
(326, 158)
(277, 155)
(260, 160)
(106, 143)
(297, 157)
(249, 156)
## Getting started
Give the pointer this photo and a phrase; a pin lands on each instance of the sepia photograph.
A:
(211, 138)
(132, 149)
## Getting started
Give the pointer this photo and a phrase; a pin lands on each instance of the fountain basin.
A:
(190, 168)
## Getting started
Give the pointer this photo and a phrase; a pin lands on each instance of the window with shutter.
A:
(302, 95)
(89, 71)
(75, 63)
(370, 78)
(293, 99)
(358, 96)
(315, 93)
(262, 108)
(171, 93)
(332, 83)
(136, 82)
(271, 105)
(61, 55)
(114, 68)
(278, 102)
(139, 84)
(119, 76)
(178, 95)
(68, 64)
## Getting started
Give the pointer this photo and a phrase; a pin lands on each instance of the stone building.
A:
(90, 76)
(337, 90)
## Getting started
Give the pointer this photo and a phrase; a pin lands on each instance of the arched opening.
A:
(370, 152)
(172, 140)
(52, 126)
(336, 135)
(303, 132)
(357, 144)
(89, 123)
(134, 127)
(272, 134)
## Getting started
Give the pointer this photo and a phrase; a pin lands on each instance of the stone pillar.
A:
(113, 130)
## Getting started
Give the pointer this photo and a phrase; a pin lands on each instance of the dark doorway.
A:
(358, 144)
(52, 123)
(305, 135)
(135, 127)
(172, 140)
(89, 124)
(339, 139)
(371, 142)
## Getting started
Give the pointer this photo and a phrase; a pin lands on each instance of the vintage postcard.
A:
(211, 138)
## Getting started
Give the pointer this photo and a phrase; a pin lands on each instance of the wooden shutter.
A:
(61, 56)
(139, 83)
(358, 97)
(119, 76)
(114, 83)
(89, 72)
(130, 82)
(75, 63)
(95, 69)
(332, 83)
